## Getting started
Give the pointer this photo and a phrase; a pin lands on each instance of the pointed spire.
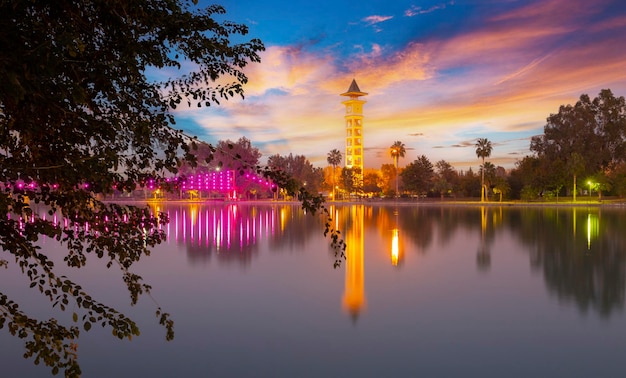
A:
(354, 90)
(354, 87)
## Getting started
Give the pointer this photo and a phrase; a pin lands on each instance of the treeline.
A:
(582, 151)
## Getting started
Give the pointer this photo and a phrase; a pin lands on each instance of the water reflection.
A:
(232, 233)
(580, 252)
(354, 292)
(585, 267)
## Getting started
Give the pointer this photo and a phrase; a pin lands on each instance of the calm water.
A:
(426, 291)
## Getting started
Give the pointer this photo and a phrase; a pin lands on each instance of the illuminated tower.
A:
(354, 126)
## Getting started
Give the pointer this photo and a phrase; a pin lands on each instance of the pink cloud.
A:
(375, 19)
(417, 10)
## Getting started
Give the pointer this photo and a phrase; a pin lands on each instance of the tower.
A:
(354, 127)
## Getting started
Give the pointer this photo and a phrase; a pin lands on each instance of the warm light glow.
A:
(354, 294)
(282, 219)
(395, 249)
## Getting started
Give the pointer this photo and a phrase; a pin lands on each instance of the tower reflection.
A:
(354, 294)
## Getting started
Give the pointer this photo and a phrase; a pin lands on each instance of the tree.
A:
(79, 117)
(371, 183)
(530, 173)
(388, 172)
(442, 186)
(483, 150)
(599, 181)
(594, 130)
(417, 176)
(488, 175)
(396, 151)
(238, 156)
(352, 182)
(469, 183)
(334, 159)
(617, 175)
(575, 166)
(448, 177)
(501, 187)
(299, 169)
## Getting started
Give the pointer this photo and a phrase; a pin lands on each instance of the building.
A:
(354, 127)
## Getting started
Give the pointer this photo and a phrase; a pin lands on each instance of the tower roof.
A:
(354, 90)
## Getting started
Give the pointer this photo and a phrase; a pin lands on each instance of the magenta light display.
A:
(223, 181)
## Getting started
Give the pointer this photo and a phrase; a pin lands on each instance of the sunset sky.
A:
(439, 74)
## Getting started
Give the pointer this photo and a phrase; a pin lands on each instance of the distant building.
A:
(354, 126)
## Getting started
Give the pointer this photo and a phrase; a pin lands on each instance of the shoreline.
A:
(399, 202)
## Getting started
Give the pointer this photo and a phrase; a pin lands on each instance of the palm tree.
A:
(396, 151)
(501, 187)
(334, 159)
(483, 150)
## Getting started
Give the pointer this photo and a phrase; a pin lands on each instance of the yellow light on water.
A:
(593, 228)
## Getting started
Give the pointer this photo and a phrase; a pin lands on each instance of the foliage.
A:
(442, 186)
(371, 183)
(388, 173)
(617, 176)
(299, 169)
(488, 175)
(483, 150)
(397, 150)
(529, 193)
(584, 138)
(595, 130)
(501, 187)
(80, 118)
(77, 111)
(447, 177)
(469, 183)
(599, 182)
(417, 176)
(446, 171)
(238, 156)
(334, 159)
(352, 181)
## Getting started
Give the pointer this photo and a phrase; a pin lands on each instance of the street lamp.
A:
(590, 185)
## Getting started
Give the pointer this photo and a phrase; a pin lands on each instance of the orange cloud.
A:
(506, 76)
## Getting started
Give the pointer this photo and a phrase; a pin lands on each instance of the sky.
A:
(439, 74)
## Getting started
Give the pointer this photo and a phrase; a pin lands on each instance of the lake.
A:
(426, 290)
